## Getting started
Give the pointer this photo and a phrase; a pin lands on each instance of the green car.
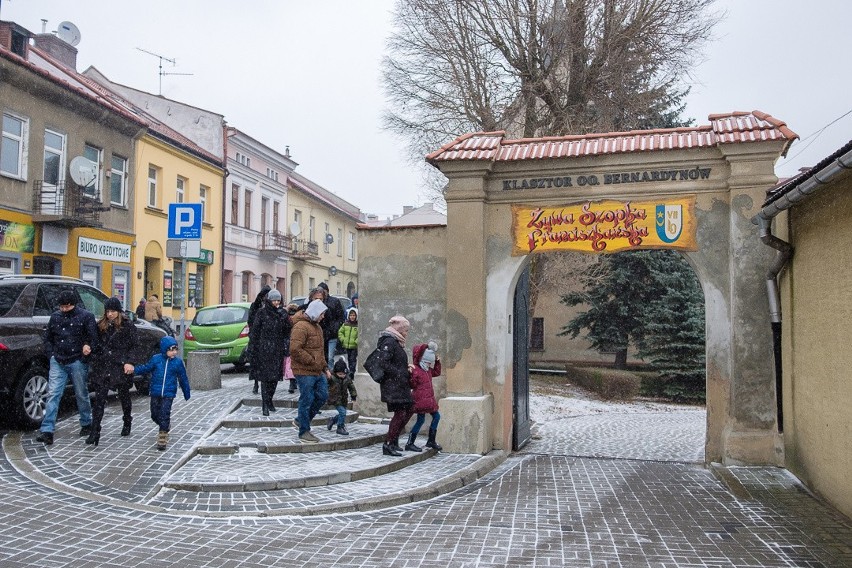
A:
(221, 328)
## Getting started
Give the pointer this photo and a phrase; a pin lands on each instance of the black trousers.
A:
(123, 391)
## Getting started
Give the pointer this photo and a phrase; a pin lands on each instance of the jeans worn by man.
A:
(57, 379)
(70, 335)
(313, 394)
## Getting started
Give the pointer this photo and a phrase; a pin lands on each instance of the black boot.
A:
(292, 388)
(270, 396)
(125, 430)
(254, 390)
(94, 436)
(388, 450)
(395, 445)
(410, 447)
(431, 443)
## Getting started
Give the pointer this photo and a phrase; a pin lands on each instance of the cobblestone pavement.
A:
(72, 506)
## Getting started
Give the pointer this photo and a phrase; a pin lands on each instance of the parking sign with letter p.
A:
(184, 221)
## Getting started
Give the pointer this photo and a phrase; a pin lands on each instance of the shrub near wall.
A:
(609, 384)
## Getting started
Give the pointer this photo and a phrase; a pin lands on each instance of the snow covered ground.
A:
(571, 421)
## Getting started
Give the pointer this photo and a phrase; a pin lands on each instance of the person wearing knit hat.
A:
(426, 367)
(110, 366)
(269, 336)
(307, 359)
(395, 388)
(71, 334)
(347, 337)
(340, 388)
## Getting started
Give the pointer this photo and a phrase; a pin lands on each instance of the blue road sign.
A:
(184, 221)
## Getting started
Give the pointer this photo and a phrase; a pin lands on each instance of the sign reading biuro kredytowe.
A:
(604, 226)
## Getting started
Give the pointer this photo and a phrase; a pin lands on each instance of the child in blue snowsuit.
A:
(167, 371)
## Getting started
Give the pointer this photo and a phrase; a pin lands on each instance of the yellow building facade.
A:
(168, 174)
(325, 240)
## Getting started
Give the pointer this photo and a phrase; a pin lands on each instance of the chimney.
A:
(406, 209)
(60, 50)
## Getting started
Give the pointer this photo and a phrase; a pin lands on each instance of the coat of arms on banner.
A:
(669, 222)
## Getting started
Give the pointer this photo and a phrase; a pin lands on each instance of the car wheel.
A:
(30, 397)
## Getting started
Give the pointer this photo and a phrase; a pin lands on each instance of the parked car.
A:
(344, 301)
(222, 328)
(26, 302)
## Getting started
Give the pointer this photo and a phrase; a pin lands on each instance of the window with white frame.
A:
(351, 245)
(325, 245)
(54, 157)
(312, 226)
(271, 174)
(93, 154)
(13, 150)
(247, 210)
(152, 185)
(339, 242)
(180, 188)
(235, 204)
(203, 192)
(118, 180)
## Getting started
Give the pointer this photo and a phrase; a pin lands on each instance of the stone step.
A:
(271, 439)
(251, 417)
(251, 470)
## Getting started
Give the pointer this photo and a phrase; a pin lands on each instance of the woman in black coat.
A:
(269, 337)
(111, 366)
(252, 313)
(395, 387)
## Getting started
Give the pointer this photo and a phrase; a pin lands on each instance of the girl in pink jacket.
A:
(426, 366)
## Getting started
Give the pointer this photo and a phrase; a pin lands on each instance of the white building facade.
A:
(257, 246)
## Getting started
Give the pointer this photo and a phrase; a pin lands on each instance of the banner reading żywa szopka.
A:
(605, 226)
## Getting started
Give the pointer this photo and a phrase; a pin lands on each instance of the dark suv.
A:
(26, 302)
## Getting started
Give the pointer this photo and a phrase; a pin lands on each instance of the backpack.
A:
(373, 366)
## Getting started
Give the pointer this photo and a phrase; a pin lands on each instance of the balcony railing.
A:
(65, 203)
(274, 242)
(305, 250)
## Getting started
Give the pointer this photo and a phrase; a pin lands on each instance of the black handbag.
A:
(373, 366)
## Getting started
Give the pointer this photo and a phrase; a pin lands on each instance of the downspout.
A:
(785, 251)
(800, 191)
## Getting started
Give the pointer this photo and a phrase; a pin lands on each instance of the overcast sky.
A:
(306, 75)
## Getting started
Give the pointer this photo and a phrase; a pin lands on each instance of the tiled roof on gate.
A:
(731, 128)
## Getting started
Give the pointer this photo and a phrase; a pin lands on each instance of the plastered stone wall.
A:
(817, 349)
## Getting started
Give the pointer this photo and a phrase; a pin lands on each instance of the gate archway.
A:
(718, 172)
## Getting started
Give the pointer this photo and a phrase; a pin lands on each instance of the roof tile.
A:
(731, 128)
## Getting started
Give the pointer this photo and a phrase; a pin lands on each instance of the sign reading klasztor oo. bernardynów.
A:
(605, 226)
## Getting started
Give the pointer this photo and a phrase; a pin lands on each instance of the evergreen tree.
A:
(673, 341)
(652, 300)
(617, 290)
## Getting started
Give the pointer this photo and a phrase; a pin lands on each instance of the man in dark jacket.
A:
(70, 336)
(334, 318)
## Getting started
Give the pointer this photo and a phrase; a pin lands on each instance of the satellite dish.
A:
(83, 171)
(68, 32)
(295, 229)
(329, 238)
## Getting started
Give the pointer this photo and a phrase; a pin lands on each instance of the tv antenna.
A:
(161, 72)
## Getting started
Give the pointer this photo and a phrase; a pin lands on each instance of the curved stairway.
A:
(225, 459)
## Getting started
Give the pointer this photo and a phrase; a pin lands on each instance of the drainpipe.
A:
(803, 187)
(785, 251)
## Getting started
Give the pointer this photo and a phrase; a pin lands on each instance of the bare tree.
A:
(539, 67)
